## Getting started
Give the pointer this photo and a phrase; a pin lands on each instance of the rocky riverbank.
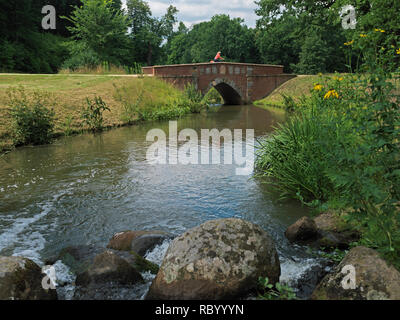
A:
(219, 259)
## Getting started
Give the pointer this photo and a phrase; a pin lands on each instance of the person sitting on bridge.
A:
(218, 57)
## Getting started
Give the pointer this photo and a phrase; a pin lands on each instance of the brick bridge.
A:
(238, 83)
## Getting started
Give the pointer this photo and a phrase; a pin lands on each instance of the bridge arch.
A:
(228, 90)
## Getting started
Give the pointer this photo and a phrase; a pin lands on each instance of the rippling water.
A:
(83, 189)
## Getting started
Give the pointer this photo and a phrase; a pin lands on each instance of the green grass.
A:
(69, 92)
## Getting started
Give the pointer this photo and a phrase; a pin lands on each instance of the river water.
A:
(83, 189)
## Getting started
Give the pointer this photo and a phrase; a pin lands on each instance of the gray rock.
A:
(217, 260)
(109, 267)
(374, 279)
(21, 279)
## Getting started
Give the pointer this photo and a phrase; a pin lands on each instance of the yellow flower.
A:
(349, 43)
(398, 51)
(362, 35)
(364, 108)
(318, 87)
(379, 30)
(341, 79)
(331, 93)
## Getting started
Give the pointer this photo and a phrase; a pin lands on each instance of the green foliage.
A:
(336, 255)
(275, 292)
(99, 34)
(140, 104)
(33, 121)
(67, 126)
(92, 114)
(230, 36)
(213, 97)
(343, 148)
(147, 32)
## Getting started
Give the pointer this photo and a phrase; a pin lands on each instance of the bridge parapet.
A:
(237, 82)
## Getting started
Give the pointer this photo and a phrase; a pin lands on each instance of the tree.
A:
(24, 46)
(147, 32)
(99, 34)
(230, 36)
(301, 35)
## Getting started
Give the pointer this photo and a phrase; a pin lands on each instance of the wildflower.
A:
(341, 79)
(349, 43)
(362, 35)
(364, 108)
(318, 87)
(398, 51)
(380, 30)
(331, 93)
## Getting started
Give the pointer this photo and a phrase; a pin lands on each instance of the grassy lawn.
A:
(69, 92)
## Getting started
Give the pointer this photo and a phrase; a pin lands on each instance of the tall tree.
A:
(230, 36)
(99, 34)
(147, 32)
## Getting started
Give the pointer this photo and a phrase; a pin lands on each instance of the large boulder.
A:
(374, 278)
(21, 279)
(303, 230)
(217, 260)
(137, 241)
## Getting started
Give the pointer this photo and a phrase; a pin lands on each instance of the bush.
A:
(92, 114)
(33, 121)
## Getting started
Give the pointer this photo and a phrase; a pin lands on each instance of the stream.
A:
(83, 189)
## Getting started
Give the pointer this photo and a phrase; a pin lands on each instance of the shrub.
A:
(33, 121)
(92, 114)
(213, 97)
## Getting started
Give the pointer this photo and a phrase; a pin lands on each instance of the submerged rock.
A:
(137, 241)
(374, 278)
(107, 274)
(109, 267)
(303, 230)
(21, 279)
(217, 260)
(79, 258)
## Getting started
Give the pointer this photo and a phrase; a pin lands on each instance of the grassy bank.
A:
(123, 95)
(340, 148)
(296, 87)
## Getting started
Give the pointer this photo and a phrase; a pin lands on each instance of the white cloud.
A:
(191, 11)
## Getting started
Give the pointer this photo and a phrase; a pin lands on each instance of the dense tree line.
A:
(305, 36)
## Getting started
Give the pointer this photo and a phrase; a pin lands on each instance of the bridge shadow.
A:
(229, 94)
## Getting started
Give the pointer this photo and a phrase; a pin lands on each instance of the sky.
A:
(195, 11)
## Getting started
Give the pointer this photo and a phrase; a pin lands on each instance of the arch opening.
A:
(229, 94)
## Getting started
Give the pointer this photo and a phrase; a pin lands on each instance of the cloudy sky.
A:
(195, 11)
